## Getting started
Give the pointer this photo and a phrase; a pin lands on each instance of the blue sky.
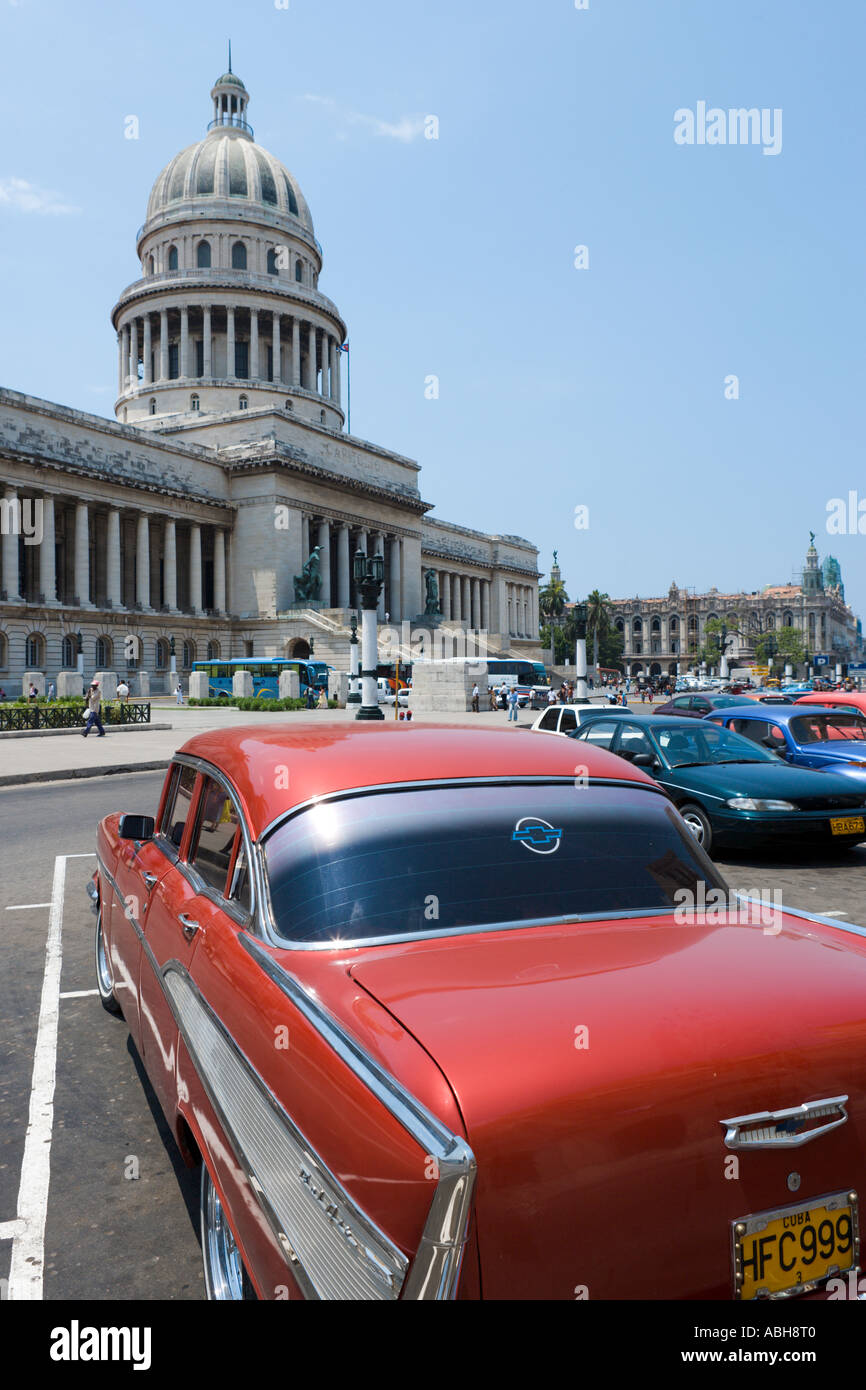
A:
(602, 387)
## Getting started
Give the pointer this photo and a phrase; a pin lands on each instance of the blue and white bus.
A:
(265, 673)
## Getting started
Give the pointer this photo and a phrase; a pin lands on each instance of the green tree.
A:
(552, 599)
(597, 620)
(789, 645)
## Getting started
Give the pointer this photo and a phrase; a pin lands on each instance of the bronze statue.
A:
(308, 584)
(431, 582)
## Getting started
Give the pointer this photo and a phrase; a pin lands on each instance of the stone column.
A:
(219, 570)
(142, 561)
(343, 586)
(10, 548)
(324, 542)
(122, 355)
(112, 559)
(476, 603)
(465, 605)
(133, 353)
(163, 345)
(379, 549)
(305, 539)
(47, 575)
(254, 344)
(148, 351)
(395, 595)
(82, 555)
(311, 359)
(445, 603)
(184, 342)
(333, 372)
(485, 604)
(456, 598)
(338, 389)
(195, 568)
(230, 344)
(170, 569)
(296, 351)
(207, 342)
(326, 360)
(277, 350)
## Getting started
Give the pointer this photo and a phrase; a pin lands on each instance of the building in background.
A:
(224, 505)
(665, 635)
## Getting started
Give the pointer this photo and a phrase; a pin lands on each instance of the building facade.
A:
(664, 636)
(192, 514)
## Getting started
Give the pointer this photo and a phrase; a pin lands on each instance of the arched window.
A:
(273, 268)
(68, 652)
(172, 258)
(202, 255)
(656, 625)
(162, 654)
(34, 652)
(213, 651)
(104, 653)
(4, 651)
(771, 620)
(674, 624)
(299, 272)
(619, 625)
(243, 402)
(321, 417)
(188, 656)
(194, 402)
(637, 625)
(153, 405)
(811, 622)
(788, 620)
(239, 256)
(675, 645)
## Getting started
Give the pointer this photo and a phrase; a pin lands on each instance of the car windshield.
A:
(819, 728)
(422, 861)
(689, 745)
(720, 701)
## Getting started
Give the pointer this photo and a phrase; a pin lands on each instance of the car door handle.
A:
(150, 880)
(189, 926)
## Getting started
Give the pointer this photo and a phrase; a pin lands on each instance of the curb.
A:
(16, 779)
(57, 733)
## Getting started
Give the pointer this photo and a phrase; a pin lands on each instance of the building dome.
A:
(227, 164)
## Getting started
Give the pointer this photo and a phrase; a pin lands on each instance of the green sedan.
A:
(728, 789)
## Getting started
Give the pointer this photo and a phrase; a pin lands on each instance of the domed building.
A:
(185, 523)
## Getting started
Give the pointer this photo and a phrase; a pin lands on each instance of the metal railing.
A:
(14, 718)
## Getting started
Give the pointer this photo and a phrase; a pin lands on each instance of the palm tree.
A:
(597, 619)
(552, 599)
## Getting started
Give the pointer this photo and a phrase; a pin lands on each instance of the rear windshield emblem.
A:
(537, 835)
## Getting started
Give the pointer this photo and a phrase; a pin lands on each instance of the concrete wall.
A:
(445, 685)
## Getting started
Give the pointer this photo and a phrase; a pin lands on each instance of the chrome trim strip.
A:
(390, 1266)
(770, 1122)
(850, 927)
(435, 1270)
(534, 779)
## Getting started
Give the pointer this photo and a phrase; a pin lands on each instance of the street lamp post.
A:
(354, 695)
(580, 613)
(172, 664)
(368, 572)
(79, 659)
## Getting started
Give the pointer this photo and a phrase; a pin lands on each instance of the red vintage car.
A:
(443, 1013)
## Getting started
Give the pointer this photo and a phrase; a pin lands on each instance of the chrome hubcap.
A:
(695, 826)
(224, 1267)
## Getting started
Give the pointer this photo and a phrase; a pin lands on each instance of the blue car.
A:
(816, 736)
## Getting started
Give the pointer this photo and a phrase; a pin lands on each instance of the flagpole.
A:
(349, 389)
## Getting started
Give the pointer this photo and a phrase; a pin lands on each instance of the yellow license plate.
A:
(786, 1251)
(848, 825)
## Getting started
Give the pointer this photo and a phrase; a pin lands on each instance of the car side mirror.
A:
(136, 827)
(645, 760)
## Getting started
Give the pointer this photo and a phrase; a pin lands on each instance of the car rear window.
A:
(434, 859)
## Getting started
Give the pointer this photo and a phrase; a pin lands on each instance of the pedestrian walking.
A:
(492, 694)
(52, 690)
(512, 704)
(179, 693)
(323, 698)
(311, 697)
(33, 693)
(503, 695)
(476, 693)
(93, 703)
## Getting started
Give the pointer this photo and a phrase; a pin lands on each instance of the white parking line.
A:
(9, 1229)
(833, 914)
(78, 993)
(23, 907)
(28, 1244)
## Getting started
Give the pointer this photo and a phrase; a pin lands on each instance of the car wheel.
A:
(225, 1277)
(104, 981)
(697, 821)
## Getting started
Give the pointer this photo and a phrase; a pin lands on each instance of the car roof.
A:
(316, 760)
(781, 713)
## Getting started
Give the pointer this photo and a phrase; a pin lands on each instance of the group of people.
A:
(315, 701)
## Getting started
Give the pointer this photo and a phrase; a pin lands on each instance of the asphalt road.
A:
(108, 1234)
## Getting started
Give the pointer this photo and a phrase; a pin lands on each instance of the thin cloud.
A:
(24, 196)
(406, 129)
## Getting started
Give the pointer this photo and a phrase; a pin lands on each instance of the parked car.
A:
(695, 706)
(814, 736)
(564, 719)
(414, 1063)
(729, 790)
(844, 701)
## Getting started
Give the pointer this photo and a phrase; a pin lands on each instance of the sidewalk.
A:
(47, 758)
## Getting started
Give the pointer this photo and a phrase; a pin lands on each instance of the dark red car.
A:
(698, 704)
